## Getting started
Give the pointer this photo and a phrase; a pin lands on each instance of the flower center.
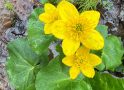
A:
(78, 62)
(78, 27)
(55, 18)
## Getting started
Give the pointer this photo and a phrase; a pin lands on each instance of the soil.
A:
(13, 25)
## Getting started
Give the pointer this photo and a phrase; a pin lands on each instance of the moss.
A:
(8, 5)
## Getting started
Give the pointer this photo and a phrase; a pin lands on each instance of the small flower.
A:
(82, 61)
(49, 17)
(75, 28)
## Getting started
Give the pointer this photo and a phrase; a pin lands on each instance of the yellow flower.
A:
(49, 17)
(82, 61)
(75, 28)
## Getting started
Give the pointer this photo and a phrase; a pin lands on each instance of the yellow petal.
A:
(50, 14)
(49, 8)
(82, 51)
(44, 17)
(70, 46)
(67, 10)
(58, 29)
(93, 59)
(68, 60)
(87, 70)
(92, 39)
(47, 29)
(90, 19)
(74, 72)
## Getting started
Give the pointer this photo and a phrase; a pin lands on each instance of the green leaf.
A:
(112, 52)
(43, 1)
(120, 69)
(37, 39)
(104, 81)
(60, 51)
(31, 87)
(35, 13)
(103, 30)
(52, 78)
(20, 64)
(101, 67)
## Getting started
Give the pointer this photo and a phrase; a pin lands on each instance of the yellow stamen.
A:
(79, 27)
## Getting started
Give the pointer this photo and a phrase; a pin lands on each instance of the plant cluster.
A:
(86, 52)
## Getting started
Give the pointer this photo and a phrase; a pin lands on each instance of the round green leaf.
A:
(20, 65)
(112, 52)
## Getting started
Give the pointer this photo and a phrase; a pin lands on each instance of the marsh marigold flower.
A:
(75, 28)
(82, 61)
(48, 17)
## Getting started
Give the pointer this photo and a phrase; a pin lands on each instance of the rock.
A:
(7, 23)
(22, 8)
(3, 79)
(6, 18)
(121, 16)
(114, 17)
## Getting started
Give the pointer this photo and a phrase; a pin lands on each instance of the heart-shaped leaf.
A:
(112, 52)
(21, 64)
